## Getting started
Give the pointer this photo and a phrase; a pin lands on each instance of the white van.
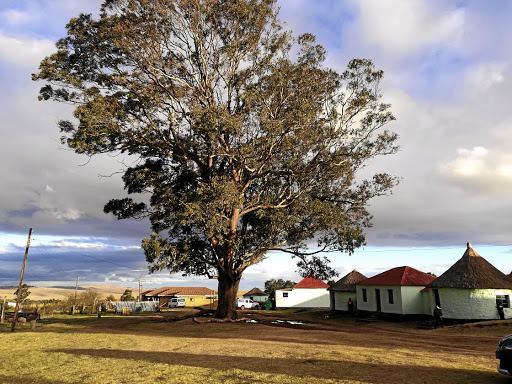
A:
(176, 302)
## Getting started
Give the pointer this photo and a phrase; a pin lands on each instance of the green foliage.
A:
(24, 293)
(316, 267)
(127, 296)
(111, 298)
(272, 285)
(248, 144)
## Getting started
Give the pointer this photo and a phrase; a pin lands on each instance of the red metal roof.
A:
(311, 282)
(400, 276)
(182, 291)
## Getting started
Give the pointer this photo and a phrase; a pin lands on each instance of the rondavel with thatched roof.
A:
(471, 289)
(345, 289)
(256, 294)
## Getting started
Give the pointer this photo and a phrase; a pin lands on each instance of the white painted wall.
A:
(407, 300)
(303, 298)
(470, 304)
(341, 300)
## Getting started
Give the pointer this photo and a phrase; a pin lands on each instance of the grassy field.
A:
(44, 293)
(159, 348)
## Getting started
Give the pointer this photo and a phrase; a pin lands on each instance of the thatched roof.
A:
(348, 282)
(472, 271)
(255, 292)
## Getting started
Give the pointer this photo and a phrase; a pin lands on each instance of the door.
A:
(436, 297)
(377, 297)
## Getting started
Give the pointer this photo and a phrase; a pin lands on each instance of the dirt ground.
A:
(338, 348)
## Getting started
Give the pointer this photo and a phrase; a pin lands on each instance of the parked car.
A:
(176, 302)
(247, 304)
(504, 353)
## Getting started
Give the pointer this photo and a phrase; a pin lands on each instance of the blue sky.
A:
(447, 76)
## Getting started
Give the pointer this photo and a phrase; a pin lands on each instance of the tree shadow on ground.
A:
(27, 380)
(322, 369)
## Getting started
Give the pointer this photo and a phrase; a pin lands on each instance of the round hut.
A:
(472, 289)
(345, 289)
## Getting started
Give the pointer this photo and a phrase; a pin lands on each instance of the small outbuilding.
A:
(307, 293)
(194, 296)
(472, 289)
(396, 291)
(344, 290)
(256, 294)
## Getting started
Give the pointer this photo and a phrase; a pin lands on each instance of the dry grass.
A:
(151, 348)
(44, 293)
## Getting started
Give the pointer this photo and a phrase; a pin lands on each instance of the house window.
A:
(390, 296)
(503, 300)
(365, 298)
(285, 294)
(252, 298)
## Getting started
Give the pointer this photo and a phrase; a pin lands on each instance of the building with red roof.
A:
(307, 293)
(396, 291)
(194, 296)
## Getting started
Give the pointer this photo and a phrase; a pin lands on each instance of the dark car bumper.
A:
(505, 357)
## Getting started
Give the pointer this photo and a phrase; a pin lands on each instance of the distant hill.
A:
(62, 293)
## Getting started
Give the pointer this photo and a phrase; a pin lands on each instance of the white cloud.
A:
(14, 17)
(480, 169)
(72, 244)
(400, 26)
(25, 51)
(484, 76)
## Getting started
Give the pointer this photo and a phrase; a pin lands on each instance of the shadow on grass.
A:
(322, 369)
(27, 380)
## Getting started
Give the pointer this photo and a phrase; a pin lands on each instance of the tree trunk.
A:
(228, 288)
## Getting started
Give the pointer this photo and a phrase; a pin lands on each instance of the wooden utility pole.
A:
(16, 308)
(76, 286)
(141, 280)
(3, 311)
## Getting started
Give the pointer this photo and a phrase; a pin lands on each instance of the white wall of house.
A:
(470, 304)
(303, 298)
(407, 300)
(428, 309)
(341, 300)
(412, 300)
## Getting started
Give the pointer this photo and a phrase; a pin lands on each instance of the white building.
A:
(396, 291)
(344, 290)
(307, 293)
(471, 289)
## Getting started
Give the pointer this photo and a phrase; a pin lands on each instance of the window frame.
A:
(391, 297)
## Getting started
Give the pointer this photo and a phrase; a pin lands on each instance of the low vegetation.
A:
(171, 348)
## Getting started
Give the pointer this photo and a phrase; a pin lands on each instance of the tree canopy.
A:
(272, 285)
(24, 293)
(247, 143)
(127, 295)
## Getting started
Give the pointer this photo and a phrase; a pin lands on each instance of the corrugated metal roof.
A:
(311, 282)
(182, 291)
(403, 276)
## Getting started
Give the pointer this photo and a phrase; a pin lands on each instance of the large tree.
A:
(247, 142)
